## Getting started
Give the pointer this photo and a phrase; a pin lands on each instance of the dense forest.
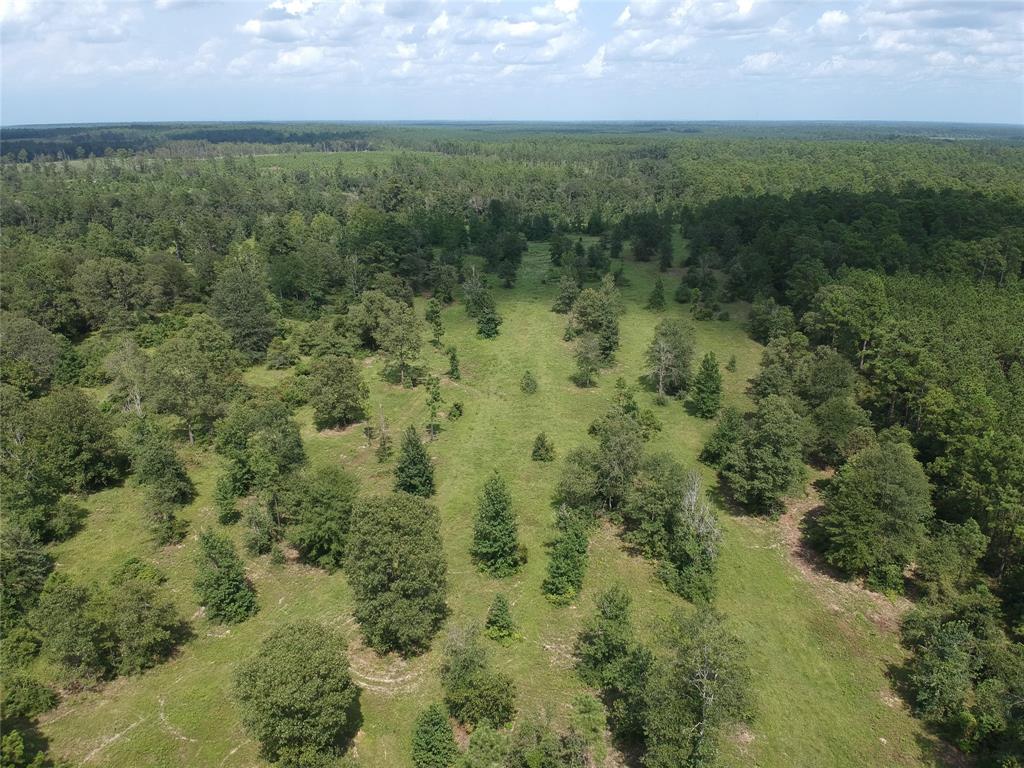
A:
(193, 319)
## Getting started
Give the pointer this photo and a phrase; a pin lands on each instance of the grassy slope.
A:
(819, 678)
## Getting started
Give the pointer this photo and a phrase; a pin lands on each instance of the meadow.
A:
(819, 662)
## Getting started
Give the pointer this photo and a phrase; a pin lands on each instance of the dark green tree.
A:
(876, 510)
(727, 433)
(414, 473)
(766, 460)
(316, 507)
(338, 393)
(156, 464)
(656, 301)
(496, 549)
(220, 580)
(606, 638)
(433, 317)
(568, 291)
(296, 696)
(433, 740)
(473, 692)
(668, 358)
(397, 571)
(706, 393)
(453, 364)
(499, 625)
(543, 448)
(528, 383)
(241, 301)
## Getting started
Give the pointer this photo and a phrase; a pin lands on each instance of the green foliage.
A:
(543, 448)
(656, 301)
(588, 360)
(241, 301)
(414, 473)
(453, 364)
(433, 741)
(25, 697)
(876, 510)
(606, 639)
(528, 383)
(398, 337)
(947, 561)
(703, 688)
(668, 358)
(25, 566)
(499, 625)
(568, 292)
(143, 623)
(155, 463)
(261, 442)
(496, 548)
(765, 461)
(596, 312)
(296, 696)
(338, 393)
(488, 748)
(193, 374)
(73, 636)
(281, 354)
(396, 568)
(112, 292)
(488, 322)
(567, 561)
(473, 692)
(433, 318)
(706, 393)
(30, 356)
(220, 581)
(727, 433)
(316, 507)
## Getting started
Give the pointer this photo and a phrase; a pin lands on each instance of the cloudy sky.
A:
(96, 60)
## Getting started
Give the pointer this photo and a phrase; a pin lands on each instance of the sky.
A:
(154, 60)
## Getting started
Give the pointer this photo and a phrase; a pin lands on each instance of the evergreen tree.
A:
(656, 301)
(453, 364)
(543, 449)
(397, 571)
(528, 383)
(220, 581)
(728, 431)
(499, 625)
(316, 507)
(473, 692)
(414, 473)
(398, 337)
(296, 696)
(567, 562)
(433, 317)
(665, 254)
(241, 301)
(337, 392)
(706, 394)
(606, 638)
(496, 547)
(433, 740)
(488, 322)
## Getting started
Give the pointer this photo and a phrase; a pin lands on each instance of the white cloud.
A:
(761, 63)
(595, 67)
(831, 21)
(438, 25)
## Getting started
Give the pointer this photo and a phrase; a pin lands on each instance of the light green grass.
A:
(819, 680)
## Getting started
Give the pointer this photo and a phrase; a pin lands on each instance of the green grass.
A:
(819, 677)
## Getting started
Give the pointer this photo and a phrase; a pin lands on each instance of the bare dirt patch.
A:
(389, 675)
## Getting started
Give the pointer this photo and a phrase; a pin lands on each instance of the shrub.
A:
(414, 473)
(433, 741)
(473, 692)
(528, 383)
(220, 582)
(543, 448)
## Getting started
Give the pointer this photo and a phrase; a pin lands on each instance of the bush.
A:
(455, 412)
(25, 698)
(500, 625)
(528, 383)
(473, 692)
(337, 392)
(567, 563)
(296, 696)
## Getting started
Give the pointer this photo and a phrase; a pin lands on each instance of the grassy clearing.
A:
(819, 676)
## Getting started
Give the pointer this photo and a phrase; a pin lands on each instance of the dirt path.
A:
(838, 594)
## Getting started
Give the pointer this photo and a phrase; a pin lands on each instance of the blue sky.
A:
(99, 61)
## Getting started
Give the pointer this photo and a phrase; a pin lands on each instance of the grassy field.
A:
(819, 668)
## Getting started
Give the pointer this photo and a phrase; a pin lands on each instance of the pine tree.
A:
(453, 364)
(665, 254)
(706, 395)
(500, 625)
(495, 531)
(241, 301)
(433, 317)
(488, 322)
(384, 446)
(528, 383)
(543, 448)
(656, 301)
(731, 365)
(414, 473)
(433, 741)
